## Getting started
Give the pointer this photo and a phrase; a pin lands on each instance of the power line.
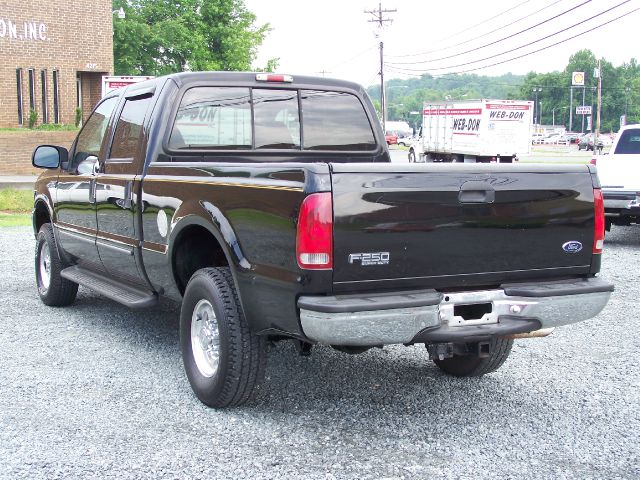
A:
(463, 31)
(502, 27)
(516, 48)
(499, 40)
(350, 59)
(399, 70)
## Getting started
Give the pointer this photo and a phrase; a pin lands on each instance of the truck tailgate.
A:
(446, 225)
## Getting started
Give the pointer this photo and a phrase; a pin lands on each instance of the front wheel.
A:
(412, 156)
(53, 289)
(223, 359)
(475, 366)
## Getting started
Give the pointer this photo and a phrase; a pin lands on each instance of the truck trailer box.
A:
(113, 82)
(476, 130)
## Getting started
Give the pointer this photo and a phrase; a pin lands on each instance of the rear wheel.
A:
(475, 366)
(223, 359)
(53, 289)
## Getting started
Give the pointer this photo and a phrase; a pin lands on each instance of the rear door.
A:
(116, 186)
(455, 225)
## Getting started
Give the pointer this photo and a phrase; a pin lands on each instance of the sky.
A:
(334, 38)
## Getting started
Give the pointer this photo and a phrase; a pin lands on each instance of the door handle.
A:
(92, 190)
(476, 192)
(128, 190)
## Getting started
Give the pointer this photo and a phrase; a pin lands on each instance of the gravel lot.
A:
(96, 390)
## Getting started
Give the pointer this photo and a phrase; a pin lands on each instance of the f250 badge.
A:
(367, 259)
(572, 246)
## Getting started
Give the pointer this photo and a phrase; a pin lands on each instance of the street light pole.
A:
(626, 101)
(536, 105)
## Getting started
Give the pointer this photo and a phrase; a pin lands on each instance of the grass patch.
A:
(45, 127)
(15, 207)
(15, 201)
(15, 220)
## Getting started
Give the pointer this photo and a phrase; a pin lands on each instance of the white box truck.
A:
(474, 131)
(113, 82)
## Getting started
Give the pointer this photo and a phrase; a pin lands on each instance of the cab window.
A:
(213, 118)
(129, 131)
(92, 135)
(277, 121)
(629, 142)
(335, 121)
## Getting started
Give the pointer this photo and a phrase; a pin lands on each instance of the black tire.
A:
(53, 289)
(412, 156)
(473, 366)
(239, 371)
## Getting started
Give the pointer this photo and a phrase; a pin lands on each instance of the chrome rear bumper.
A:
(621, 200)
(430, 316)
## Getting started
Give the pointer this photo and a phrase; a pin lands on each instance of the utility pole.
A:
(595, 142)
(571, 108)
(378, 17)
(582, 129)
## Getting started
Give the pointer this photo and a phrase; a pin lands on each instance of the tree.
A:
(157, 37)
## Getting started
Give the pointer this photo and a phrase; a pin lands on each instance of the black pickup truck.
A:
(268, 206)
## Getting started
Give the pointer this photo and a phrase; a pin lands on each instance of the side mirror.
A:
(48, 156)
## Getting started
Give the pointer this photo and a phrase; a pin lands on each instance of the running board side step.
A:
(132, 297)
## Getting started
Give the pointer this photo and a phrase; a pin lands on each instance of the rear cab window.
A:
(629, 142)
(262, 119)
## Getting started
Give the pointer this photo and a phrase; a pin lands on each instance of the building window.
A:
(78, 91)
(32, 90)
(45, 100)
(56, 98)
(19, 85)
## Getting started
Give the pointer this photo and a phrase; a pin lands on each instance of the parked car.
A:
(553, 139)
(537, 138)
(573, 137)
(587, 142)
(391, 138)
(405, 141)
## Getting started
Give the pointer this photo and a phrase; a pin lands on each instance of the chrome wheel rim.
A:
(205, 338)
(45, 267)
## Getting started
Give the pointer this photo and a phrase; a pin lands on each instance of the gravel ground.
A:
(96, 390)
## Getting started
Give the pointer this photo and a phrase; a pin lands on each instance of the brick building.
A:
(53, 54)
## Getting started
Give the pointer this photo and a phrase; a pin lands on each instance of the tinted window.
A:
(629, 142)
(92, 134)
(335, 121)
(277, 121)
(213, 117)
(128, 134)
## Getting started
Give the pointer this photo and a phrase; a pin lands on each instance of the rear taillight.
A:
(598, 226)
(593, 161)
(314, 239)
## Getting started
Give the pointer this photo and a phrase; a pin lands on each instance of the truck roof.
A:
(250, 79)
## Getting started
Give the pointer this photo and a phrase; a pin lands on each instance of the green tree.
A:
(157, 37)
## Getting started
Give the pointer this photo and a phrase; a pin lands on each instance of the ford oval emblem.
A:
(572, 247)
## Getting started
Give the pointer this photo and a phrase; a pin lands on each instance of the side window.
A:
(213, 117)
(335, 121)
(276, 117)
(90, 138)
(128, 133)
